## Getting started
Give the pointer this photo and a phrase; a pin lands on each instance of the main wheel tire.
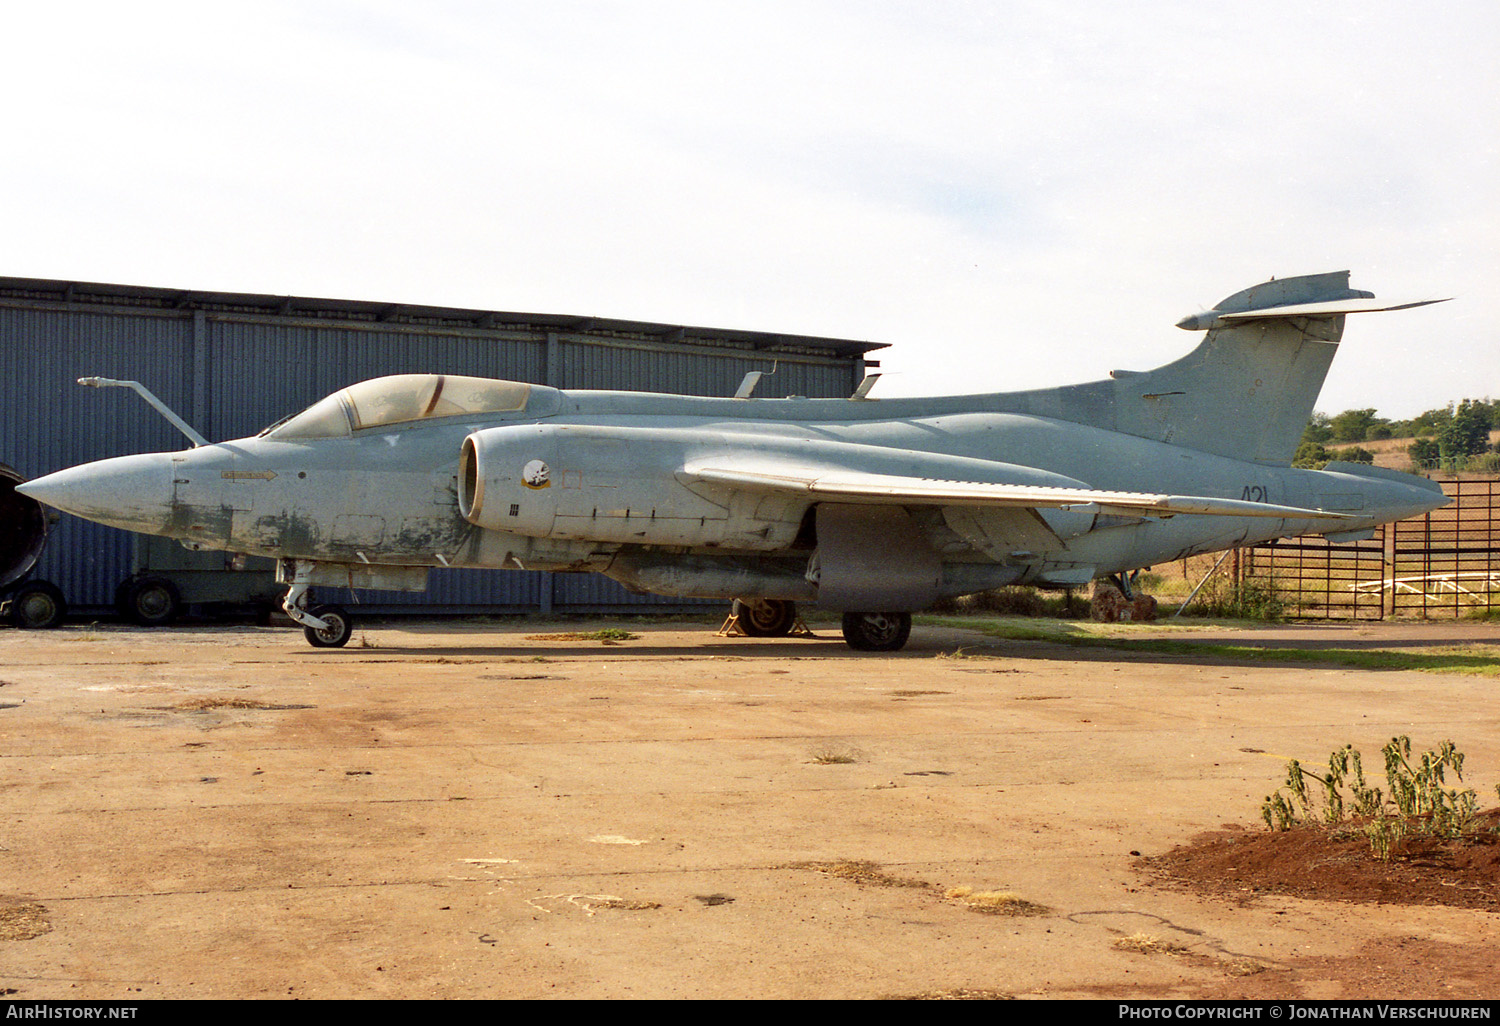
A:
(37, 605)
(877, 632)
(336, 635)
(766, 618)
(152, 602)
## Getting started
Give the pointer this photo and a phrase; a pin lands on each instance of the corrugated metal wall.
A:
(231, 371)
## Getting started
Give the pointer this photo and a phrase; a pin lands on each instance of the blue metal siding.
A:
(232, 370)
(47, 421)
(685, 373)
(260, 371)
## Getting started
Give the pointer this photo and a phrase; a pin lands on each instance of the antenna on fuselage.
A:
(863, 391)
(146, 394)
(751, 379)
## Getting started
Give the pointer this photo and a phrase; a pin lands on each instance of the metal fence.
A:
(1443, 564)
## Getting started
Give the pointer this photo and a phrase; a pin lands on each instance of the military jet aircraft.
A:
(874, 508)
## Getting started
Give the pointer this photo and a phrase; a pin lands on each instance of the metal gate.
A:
(1442, 564)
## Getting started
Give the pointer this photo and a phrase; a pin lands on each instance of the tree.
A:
(1467, 433)
(1317, 429)
(1352, 425)
(1427, 423)
(1354, 454)
(1423, 451)
(1311, 456)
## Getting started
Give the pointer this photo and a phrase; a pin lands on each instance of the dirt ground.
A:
(488, 810)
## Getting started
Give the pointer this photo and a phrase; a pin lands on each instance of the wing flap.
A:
(858, 486)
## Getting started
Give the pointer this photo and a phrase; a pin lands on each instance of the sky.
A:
(1011, 194)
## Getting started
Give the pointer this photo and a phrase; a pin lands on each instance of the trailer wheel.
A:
(37, 604)
(152, 602)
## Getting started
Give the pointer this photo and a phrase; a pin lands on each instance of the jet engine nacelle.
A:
(505, 479)
(608, 484)
(23, 528)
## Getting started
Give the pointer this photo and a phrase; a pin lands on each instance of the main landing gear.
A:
(776, 618)
(764, 618)
(336, 634)
(1116, 598)
(877, 632)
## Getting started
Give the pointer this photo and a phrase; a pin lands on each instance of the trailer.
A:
(24, 600)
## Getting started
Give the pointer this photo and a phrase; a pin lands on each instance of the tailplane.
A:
(1248, 389)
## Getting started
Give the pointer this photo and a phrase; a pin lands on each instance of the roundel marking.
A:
(536, 474)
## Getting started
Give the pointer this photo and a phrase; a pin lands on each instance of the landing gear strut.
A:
(1126, 583)
(325, 626)
(1116, 598)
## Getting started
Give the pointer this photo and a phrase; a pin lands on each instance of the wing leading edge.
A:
(858, 486)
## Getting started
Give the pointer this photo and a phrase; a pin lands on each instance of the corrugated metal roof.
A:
(96, 293)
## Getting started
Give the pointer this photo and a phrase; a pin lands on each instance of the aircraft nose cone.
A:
(130, 492)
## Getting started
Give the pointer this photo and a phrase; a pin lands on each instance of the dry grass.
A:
(871, 874)
(22, 920)
(1146, 944)
(607, 636)
(860, 871)
(996, 903)
(205, 704)
(835, 755)
(958, 994)
(627, 904)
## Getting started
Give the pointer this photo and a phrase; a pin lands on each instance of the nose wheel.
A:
(336, 634)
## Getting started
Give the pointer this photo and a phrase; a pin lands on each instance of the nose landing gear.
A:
(336, 634)
(325, 626)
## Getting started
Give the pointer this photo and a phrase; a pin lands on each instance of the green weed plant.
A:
(1245, 600)
(1418, 803)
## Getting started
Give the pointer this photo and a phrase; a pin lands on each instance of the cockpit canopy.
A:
(401, 399)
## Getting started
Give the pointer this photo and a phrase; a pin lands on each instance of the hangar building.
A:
(230, 364)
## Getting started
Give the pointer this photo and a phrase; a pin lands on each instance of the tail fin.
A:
(1248, 389)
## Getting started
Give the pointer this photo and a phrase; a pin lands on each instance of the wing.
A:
(859, 486)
